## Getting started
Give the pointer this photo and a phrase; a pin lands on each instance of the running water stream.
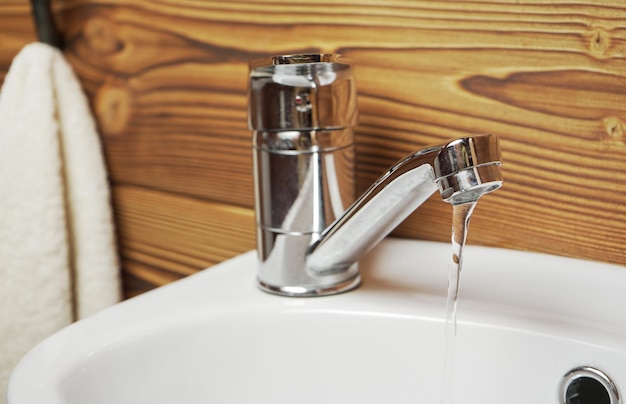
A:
(461, 215)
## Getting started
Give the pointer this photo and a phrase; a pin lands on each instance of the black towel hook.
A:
(44, 23)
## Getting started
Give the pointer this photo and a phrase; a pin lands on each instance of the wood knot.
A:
(614, 128)
(113, 107)
(599, 41)
(100, 34)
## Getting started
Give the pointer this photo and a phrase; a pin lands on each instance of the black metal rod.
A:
(44, 23)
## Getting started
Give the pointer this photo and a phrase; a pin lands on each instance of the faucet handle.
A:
(301, 92)
(468, 168)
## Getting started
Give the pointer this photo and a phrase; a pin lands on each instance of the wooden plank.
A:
(164, 237)
(16, 30)
(192, 96)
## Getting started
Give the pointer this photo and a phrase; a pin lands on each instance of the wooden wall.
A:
(167, 81)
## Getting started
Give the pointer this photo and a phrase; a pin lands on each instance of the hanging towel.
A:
(58, 260)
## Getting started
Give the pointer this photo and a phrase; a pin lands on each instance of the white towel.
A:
(58, 260)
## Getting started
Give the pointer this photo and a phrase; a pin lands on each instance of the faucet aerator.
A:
(469, 185)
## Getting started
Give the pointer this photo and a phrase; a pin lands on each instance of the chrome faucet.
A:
(310, 233)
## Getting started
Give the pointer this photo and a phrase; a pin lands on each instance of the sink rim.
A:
(385, 292)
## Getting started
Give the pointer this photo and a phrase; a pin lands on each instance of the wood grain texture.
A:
(165, 237)
(16, 30)
(167, 81)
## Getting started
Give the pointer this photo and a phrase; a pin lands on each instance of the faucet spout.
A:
(463, 170)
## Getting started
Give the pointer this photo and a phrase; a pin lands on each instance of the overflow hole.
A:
(587, 385)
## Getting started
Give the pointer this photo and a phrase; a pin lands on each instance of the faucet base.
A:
(311, 291)
(282, 268)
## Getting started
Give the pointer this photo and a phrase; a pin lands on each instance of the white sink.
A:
(524, 321)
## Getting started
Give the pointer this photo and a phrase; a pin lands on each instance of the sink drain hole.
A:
(587, 385)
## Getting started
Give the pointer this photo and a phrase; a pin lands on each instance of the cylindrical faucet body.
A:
(302, 109)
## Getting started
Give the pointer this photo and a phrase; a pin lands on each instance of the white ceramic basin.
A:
(525, 320)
